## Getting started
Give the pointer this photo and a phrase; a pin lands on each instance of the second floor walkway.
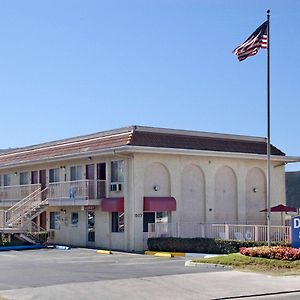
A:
(80, 192)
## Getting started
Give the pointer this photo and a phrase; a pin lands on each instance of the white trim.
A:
(152, 150)
(157, 150)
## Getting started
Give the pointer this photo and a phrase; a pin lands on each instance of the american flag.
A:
(258, 39)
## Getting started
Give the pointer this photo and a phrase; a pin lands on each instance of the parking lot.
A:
(51, 267)
(85, 274)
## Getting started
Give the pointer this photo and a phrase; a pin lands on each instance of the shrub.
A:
(198, 245)
(277, 252)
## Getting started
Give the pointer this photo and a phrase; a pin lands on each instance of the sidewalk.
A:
(208, 285)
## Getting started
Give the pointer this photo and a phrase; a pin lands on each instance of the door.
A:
(101, 180)
(90, 228)
(43, 182)
(90, 176)
(43, 220)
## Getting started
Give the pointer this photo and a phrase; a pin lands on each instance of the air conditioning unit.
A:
(116, 187)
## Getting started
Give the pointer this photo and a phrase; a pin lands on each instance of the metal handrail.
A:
(24, 200)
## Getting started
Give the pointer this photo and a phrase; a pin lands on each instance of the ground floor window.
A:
(155, 217)
(55, 220)
(74, 218)
(117, 221)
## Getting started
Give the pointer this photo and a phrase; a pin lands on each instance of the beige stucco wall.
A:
(210, 166)
(192, 180)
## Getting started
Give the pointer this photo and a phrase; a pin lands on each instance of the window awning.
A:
(113, 204)
(159, 204)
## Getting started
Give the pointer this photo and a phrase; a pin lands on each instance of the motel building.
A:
(116, 188)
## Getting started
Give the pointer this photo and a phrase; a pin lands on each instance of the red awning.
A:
(113, 204)
(159, 204)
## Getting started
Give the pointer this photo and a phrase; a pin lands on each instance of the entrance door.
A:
(90, 175)
(90, 228)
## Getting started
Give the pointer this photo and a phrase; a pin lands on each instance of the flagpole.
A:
(268, 136)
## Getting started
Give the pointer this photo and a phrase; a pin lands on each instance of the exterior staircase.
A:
(20, 215)
(37, 235)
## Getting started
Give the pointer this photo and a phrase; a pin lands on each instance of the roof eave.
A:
(151, 150)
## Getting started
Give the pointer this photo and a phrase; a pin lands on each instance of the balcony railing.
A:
(220, 231)
(17, 192)
(79, 189)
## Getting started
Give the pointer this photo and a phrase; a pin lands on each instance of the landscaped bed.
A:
(270, 260)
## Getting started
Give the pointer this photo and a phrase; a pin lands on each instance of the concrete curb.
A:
(189, 263)
(160, 253)
(104, 252)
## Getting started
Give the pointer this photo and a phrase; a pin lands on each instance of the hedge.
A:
(199, 245)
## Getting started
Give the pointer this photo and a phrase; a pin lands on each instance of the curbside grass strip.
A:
(104, 252)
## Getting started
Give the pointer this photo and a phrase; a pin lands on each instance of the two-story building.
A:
(106, 189)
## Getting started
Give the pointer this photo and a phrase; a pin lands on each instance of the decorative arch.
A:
(226, 204)
(192, 205)
(256, 197)
(157, 181)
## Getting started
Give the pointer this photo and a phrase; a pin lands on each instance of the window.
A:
(76, 173)
(117, 221)
(74, 218)
(0, 180)
(24, 178)
(101, 177)
(117, 171)
(155, 217)
(54, 220)
(54, 175)
(162, 217)
(101, 171)
(7, 179)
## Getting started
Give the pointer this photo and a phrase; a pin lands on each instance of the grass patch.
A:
(255, 264)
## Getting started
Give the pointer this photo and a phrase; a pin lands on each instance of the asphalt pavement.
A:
(84, 274)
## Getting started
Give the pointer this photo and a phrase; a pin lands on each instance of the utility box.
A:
(295, 224)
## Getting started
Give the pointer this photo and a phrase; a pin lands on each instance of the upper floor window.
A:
(7, 179)
(76, 173)
(54, 175)
(24, 178)
(117, 171)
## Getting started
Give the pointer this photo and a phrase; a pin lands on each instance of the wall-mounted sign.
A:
(295, 232)
(89, 207)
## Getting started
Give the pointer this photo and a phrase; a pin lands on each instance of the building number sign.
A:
(139, 215)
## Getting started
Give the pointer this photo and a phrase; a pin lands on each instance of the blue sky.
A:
(77, 67)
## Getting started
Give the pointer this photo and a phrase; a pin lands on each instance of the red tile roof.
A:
(136, 136)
